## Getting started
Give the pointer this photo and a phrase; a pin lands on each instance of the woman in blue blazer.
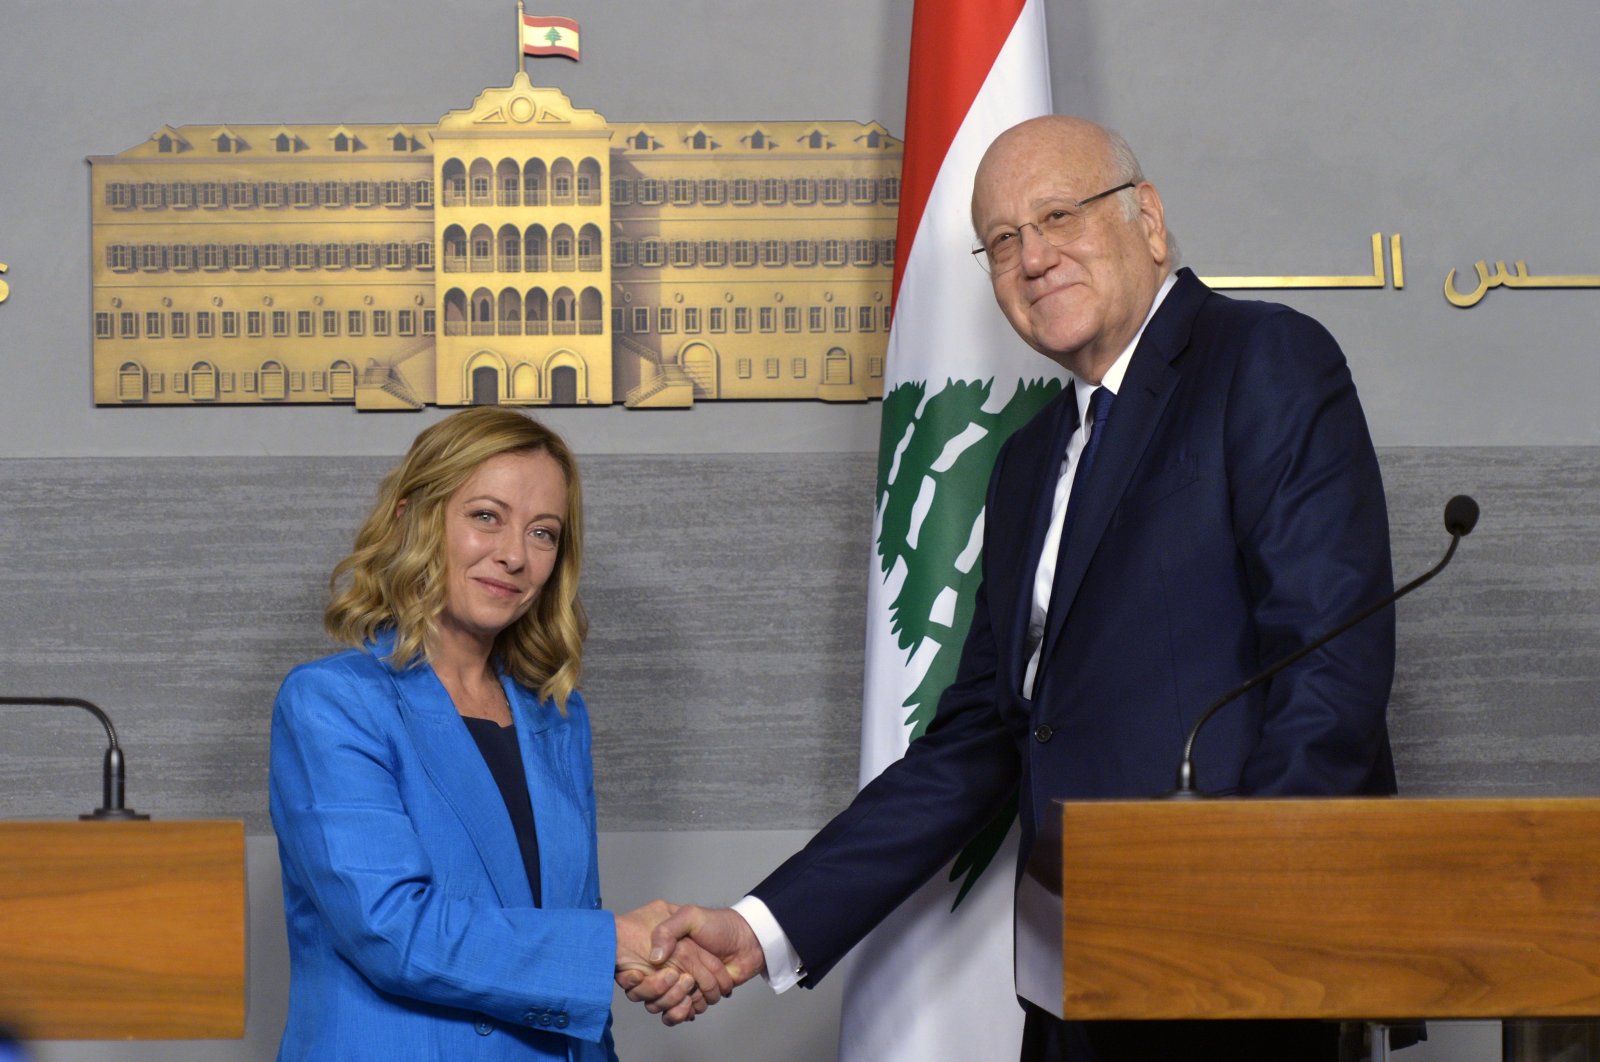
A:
(431, 786)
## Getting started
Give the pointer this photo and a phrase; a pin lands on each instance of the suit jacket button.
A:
(484, 1028)
(1042, 732)
(561, 1021)
(530, 1017)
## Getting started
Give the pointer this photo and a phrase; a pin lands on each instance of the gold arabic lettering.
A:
(1504, 278)
(1378, 278)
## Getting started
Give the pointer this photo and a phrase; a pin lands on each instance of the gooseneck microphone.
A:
(1460, 517)
(112, 774)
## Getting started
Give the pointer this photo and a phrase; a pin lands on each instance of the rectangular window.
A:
(130, 325)
(875, 366)
(332, 194)
(865, 318)
(180, 325)
(691, 318)
(102, 326)
(841, 318)
(429, 317)
(153, 325)
(713, 191)
(641, 319)
(380, 322)
(230, 324)
(798, 368)
(254, 322)
(816, 321)
(864, 189)
(719, 319)
(791, 318)
(888, 317)
(741, 318)
(621, 190)
(665, 319)
(406, 322)
(247, 381)
(772, 368)
(356, 323)
(305, 323)
(805, 190)
(280, 322)
(619, 319)
(204, 324)
(769, 318)
(742, 367)
(773, 190)
(182, 257)
(651, 191)
(330, 322)
(805, 252)
(682, 191)
(361, 255)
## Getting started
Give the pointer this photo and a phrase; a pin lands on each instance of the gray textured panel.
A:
(727, 597)
(1499, 672)
(724, 662)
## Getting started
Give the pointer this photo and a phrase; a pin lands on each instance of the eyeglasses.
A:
(1060, 225)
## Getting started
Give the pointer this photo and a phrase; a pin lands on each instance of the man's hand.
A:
(677, 989)
(722, 931)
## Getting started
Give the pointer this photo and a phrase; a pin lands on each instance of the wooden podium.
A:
(1353, 909)
(122, 930)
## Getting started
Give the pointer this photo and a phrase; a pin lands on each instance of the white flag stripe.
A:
(929, 984)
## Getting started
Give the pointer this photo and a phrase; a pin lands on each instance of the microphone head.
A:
(1460, 515)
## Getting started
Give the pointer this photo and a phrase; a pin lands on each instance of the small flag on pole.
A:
(549, 35)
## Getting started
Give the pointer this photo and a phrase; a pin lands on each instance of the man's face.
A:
(1079, 304)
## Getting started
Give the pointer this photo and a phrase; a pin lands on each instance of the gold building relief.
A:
(519, 251)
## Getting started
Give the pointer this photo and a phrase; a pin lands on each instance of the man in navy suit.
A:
(1200, 501)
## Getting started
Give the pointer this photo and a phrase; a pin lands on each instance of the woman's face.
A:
(502, 527)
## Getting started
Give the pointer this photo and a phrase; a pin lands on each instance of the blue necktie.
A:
(1099, 410)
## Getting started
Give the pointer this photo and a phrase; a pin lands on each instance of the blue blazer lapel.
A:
(453, 763)
(1146, 388)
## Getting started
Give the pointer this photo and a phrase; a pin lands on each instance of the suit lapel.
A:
(1146, 389)
(1063, 422)
(454, 765)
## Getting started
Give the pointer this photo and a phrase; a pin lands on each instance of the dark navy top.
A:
(499, 747)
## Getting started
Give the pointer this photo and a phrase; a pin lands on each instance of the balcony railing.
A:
(454, 263)
(510, 263)
(510, 326)
(534, 197)
(483, 265)
(483, 328)
(562, 263)
(537, 326)
(588, 198)
(591, 328)
(589, 263)
(564, 328)
(455, 328)
(535, 263)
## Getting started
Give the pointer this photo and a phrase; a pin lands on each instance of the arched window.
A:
(273, 382)
(203, 381)
(131, 382)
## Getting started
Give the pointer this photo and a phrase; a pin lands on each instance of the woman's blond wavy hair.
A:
(394, 577)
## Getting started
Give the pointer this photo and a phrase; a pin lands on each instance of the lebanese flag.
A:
(549, 35)
(934, 981)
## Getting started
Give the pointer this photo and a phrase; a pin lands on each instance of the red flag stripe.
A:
(954, 44)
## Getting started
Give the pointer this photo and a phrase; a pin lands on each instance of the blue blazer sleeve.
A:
(387, 890)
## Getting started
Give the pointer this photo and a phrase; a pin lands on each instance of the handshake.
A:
(678, 961)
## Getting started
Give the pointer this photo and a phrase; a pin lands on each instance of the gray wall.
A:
(168, 563)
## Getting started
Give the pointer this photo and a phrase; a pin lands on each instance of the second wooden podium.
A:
(1355, 909)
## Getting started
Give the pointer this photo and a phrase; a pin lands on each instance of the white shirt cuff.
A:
(784, 969)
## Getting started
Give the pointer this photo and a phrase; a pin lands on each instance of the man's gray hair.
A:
(1128, 169)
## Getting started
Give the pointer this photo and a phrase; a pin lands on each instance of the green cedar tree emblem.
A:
(554, 36)
(917, 427)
